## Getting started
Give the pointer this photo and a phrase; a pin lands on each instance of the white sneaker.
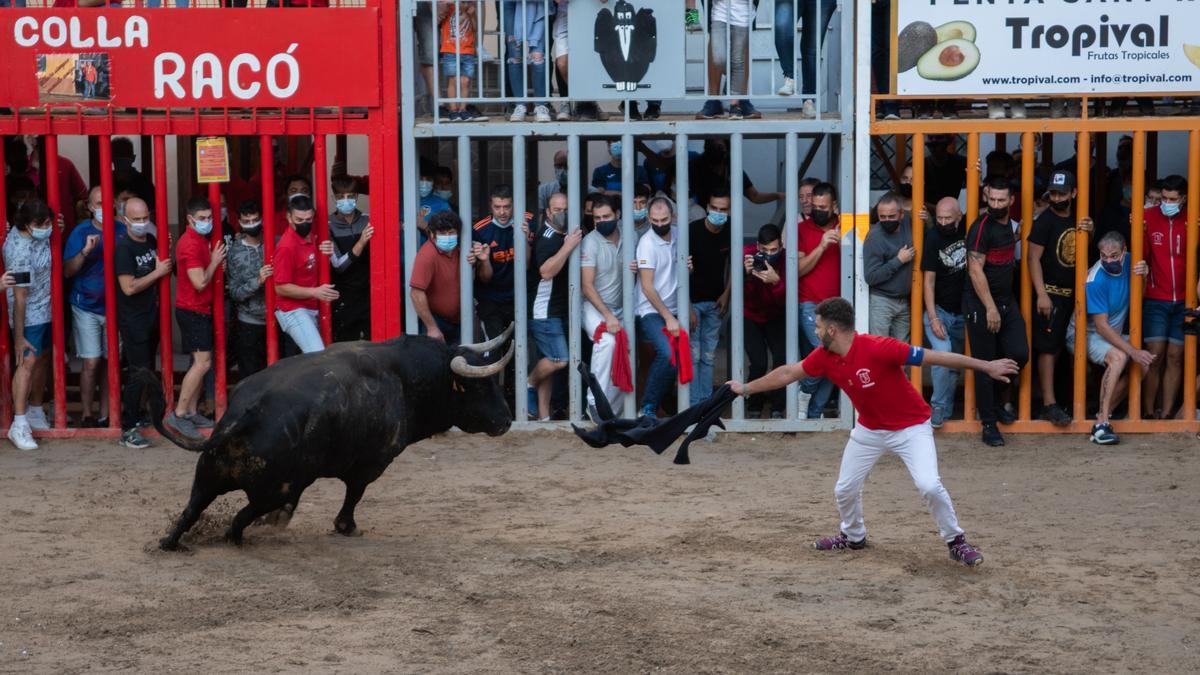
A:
(37, 418)
(995, 109)
(518, 113)
(802, 399)
(564, 112)
(1017, 110)
(809, 109)
(541, 113)
(22, 437)
(788, 88)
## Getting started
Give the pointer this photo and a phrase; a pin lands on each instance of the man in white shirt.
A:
(657, 308)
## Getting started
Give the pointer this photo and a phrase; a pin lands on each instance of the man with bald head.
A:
(559, 184)
(944, 267)
(138, 269)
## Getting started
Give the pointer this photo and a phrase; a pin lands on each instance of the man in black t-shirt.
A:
(944, 268)
(138, 269)
(708, 242)
(993, 318)
(548, 300)
(1052, 271)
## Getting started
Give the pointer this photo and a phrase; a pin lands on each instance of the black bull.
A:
(343, 413)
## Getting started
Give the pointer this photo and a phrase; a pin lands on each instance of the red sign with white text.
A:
(156, 58)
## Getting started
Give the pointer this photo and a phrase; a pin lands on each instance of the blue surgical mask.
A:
(41, 232)
(425, 188)
(444, 194)
(640, 214)
(614, 149)
(98, 216)
(1169, 210)
(718, 219)
(346, 206)
(445, 242)
(139, 229)
(1113, 267)
(202, 227)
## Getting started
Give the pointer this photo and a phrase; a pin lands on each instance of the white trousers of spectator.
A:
(914, 446)
(602, 358)
(301, 326)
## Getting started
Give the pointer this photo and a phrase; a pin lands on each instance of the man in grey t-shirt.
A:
(601, 283)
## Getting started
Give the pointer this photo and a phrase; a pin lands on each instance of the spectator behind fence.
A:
(246, 274)
(138, 270)
(804, 196)
(944, 267)
(559, 184)
(443, 185)
(27, 260)
(457, 26)
(197, 263)
(1165, 250)
(350, 230)
(887, 260)
(294, 188)
(494, 255)
(945, 170)
(298, 289)
(709, 243)
(656, 302)
(819, 269)
(1107, 293)
(729, 55)
(764, 305)
(83, 262)
(810, 40)
(1052, 273)
(430, 202)
(548, 301)
(711, 169)
(641, 209)
(524, 25)
(606, 178)
(602, 284)
(993, 317)
(434, 286)
(126, 176)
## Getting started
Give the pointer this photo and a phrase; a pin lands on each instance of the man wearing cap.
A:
(1052, 270)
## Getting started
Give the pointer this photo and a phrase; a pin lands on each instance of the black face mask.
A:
(998, 214)
(948, 231)
(303, 229)
(606, 227)
(821, 218)
(252, 231)
(661, 230)
(889, 226)
(1062, 207)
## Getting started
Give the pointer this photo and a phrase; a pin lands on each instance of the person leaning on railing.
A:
(434, 285)
(27, 254)
(601, 279)
(246, 274)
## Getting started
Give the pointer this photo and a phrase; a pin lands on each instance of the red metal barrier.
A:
(6, 409)
(217, 238)
(266, 169)
(57, 329)
(108, 227)
(163, 243)
(321, 203)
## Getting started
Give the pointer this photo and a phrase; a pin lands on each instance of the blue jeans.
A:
(785, 38)
(158, 3)
(818, 387)
(525, 27)
(945, 380)
(662, 373)
(12, 3)
(704, 341)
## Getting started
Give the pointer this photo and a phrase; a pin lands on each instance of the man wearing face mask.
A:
(493, 250)
(710, 284)
(548, 301)
(944, 268)
(1165, 247)
(559, 184)
(430, 202)
(298, 289)
(641, 209)
(601, 283)
(994, 321)
(765, 297)
(138, 270)
(294, 188)
(656, 302)
(606, 178)
(246, 274)
(711, 170)
(1052, 271)
(443, 185)
(887, 258)
(435, 280)
(819, 269)
(350, 231)
(83, 263)
(1108, 345)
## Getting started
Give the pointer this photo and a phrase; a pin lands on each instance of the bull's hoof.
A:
(346, 529)
(168, 544)
(234, 538)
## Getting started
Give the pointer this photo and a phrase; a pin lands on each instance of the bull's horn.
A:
(485, 347)
(461, 368)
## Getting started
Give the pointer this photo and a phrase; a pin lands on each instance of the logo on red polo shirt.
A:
(1156, 238)
(864, 376)
(311, 262)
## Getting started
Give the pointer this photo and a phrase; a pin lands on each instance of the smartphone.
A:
(760, 262)
(21, 277)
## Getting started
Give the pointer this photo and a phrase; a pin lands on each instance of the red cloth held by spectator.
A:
(622, 373)
(681, 354)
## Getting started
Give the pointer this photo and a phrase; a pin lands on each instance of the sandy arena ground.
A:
(533, 553)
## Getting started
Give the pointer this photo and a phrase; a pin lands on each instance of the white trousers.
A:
(602, 359)
(914, 446)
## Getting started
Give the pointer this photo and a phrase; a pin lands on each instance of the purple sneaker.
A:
(838, 542)
(961, 551)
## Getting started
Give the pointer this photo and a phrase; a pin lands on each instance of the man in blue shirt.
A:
(493, 248)
(607, 177)
(1107, 345)
(431, 203)
(83, 263)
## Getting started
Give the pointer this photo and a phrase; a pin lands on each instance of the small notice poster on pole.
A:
(212, 160)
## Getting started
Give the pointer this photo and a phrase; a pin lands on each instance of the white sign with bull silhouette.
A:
(626, 49)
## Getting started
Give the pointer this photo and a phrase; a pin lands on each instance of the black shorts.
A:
(1050, 335)
(195, 331)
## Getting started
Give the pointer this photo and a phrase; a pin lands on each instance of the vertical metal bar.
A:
(408, 165)
(6, 409)
(108, 235)
(58, 329)
(861, 145)
(818, 67)
(737, 332)
(218, 289)
(163, 245)
(845, 100)
(521, 263)
(901, 155)
(321, 202)
(1082, 206)
(683, 295)
(574, 287)
(918, 236)
(972, 214)
(266, 169)
(629, 242)
(1193, 237)
(466, 286)
(1136, 282)
(791, 241)
(1025, 401)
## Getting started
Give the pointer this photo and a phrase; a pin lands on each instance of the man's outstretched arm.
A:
(1000, 369)
(776, 379)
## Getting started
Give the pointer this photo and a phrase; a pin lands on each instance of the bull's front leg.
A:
(206, 487)
(344, 523)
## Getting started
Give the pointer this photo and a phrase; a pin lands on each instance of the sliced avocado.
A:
(949, 60)
(956, 30)
(917, 38)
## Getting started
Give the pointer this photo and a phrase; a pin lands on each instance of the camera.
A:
(760, 262)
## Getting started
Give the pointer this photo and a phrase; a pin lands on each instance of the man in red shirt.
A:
(296, 278)
(1165, 247)
(197, 263)
(820, 271)
(891, 416)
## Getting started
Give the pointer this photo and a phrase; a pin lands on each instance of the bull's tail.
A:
(154, 399)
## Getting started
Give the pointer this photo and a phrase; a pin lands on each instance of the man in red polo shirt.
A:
(297, 287)
(891, 416)
(819, 269)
